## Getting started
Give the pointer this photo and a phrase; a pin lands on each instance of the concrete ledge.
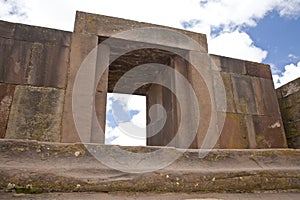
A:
(55, 167)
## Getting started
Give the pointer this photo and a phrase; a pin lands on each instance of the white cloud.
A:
(132, 133)
(291, 72)
(121, 136)
(14, 10)
(289, 8)
(236, 45)
(124, 139)
(293, 57)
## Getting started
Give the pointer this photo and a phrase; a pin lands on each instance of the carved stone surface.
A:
(101, 25)
(36, 114)
(244, 95)
(258, 70)
(35, 56)
(234, 133)
(6, 97)
(269, 132)
(289, 101)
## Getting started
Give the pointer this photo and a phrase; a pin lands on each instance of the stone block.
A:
(234, 133)
(229, 65)
(289, 88)
(87, 23)
(203, 88)
(292, 134)
(269, 132)
(227, 84)
(33, 63)
(7, 29)
(232, 65)
(78, 53)
(42, 35)
(290, 107)
(266, 98)
(36, 114)
(244, 94)
(16, 61)
(5, 51)
(48, 65)
(251, 132)
(6, 97)
(258, 70)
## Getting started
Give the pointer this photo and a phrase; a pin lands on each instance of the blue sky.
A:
(122, 112)
(257, 30)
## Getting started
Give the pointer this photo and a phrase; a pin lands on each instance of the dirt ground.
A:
(152, 196)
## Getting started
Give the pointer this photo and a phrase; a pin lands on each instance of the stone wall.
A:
(38, 67)
(252, 118)
(33, 72)
(289, 102)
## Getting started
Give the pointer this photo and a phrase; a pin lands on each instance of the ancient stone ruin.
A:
(39, 138)
(39, 65)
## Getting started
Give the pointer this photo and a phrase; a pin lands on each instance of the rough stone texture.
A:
(289, 101)
(269, 132)
(48, 167)
(231, 106)
(51, 58)
(229, 65)
(34, 34)
(234, 133)
(6, 97)
(258, 70)
(265, 95)
(36, 114)
(78, 53)
(244, 95)
(106, 26)
(152, 196)
(33, 55)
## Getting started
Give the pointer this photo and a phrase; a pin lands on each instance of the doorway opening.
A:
(125, 120)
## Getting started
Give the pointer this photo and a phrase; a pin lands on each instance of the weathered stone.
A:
(16, 59)
(154, 96)
(227, 84)
(258, 70)
(290, 88)
(265, 95)
(234, 132)
(202, 85)
(100, 98)
(269, 132)
(48, 64)
(50, 58)
(36, 114)
(41, 35)
(51, 167)
(289, 101)
(33, 63)
(231, 65)
(6, 97)
(5, 50)
(251, 132)
(244, 94)
(87, 23)
(78, 53)
(6, 29)
(290, 113)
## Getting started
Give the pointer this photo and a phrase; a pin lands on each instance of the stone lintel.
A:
(87, 23)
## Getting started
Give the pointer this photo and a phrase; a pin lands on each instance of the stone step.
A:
(33, 167)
